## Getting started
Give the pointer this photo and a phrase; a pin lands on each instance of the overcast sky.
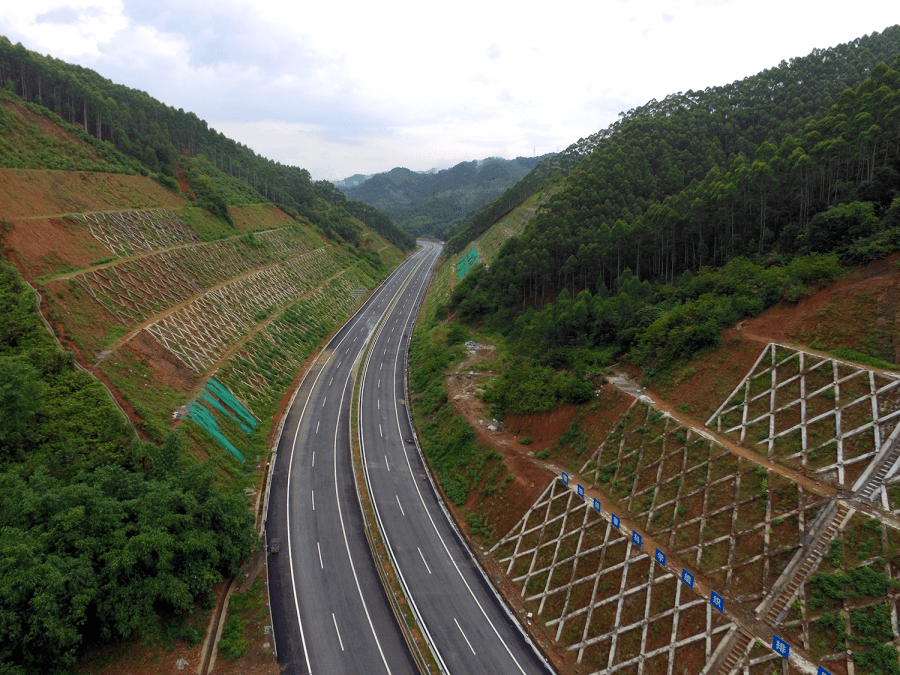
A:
(360, 87)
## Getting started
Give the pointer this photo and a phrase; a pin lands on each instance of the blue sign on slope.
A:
(781, 647)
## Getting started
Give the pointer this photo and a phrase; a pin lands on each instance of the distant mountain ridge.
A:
(433, 202)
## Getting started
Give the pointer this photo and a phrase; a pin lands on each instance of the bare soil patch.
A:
(702, 385)
(861, 310)
(507, 506)
(40, 246)
(164, 366)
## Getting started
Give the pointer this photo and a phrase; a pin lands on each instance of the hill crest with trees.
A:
(434, 203)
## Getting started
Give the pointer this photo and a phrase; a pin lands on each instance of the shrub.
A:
(232, 645)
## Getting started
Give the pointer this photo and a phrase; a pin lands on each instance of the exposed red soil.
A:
(48, 245)
(856, 307)
(542, 428)
(563, 660)
(695, 391)
(703, 385)
(26, 193)
(530, 479)
(183, 183)
(164, 366)
(506, 507)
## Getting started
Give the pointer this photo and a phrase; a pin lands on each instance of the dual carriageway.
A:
(329, 608)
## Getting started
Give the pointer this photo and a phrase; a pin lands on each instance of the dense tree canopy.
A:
(434, 203)
(99, 532)
(657, 150)
(656, 268)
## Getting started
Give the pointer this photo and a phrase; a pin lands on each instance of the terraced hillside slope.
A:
(156, 297)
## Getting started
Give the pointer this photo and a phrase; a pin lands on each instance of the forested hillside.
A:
(661, 148)
(664, 235)
(100, 532)
(434, 203)
(149, 135)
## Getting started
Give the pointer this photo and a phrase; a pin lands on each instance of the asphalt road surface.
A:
(469, 627)
(329, 609)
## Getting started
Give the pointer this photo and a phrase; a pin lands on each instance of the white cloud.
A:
(361, 86)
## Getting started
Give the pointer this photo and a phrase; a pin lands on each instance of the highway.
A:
(330, 613)
(468, 626)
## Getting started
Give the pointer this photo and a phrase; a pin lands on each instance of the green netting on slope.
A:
(228, 399)
(225, 411)
(207, 420)
(464, 264)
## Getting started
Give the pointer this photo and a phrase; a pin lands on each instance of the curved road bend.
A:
(329, 609)
(469, 627)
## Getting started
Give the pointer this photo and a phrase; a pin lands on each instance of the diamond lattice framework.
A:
(134, 290)
(201, 331)
(728, 517)
(265, 365)
(127, 232)
(825, 414)
(833, 621)
(607, 599)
